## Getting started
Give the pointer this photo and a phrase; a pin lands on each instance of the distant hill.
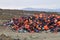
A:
(42, 9)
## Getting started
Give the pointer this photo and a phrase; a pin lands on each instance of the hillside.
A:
(9, 13)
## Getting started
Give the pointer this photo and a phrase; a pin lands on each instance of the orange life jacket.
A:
(58, 22)
(46, 27)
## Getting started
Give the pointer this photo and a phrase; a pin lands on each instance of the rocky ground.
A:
(7, 34)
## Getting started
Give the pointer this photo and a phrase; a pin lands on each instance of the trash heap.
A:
(36, 23)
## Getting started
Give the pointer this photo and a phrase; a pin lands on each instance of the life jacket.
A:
(40, 15)
(20, 19)
(26, 22)
(15, 27)
(58, 16)
(32, 31)
(39, 28)
(46, 27)
(58, 23)
(27, 26)
(51, 27)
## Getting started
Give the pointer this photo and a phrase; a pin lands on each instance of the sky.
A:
(20, 4)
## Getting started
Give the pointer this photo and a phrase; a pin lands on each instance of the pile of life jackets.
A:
(37, 23)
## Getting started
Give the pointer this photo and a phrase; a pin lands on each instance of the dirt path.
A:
(30, 36)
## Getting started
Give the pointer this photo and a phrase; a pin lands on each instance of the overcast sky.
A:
(19, 4)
